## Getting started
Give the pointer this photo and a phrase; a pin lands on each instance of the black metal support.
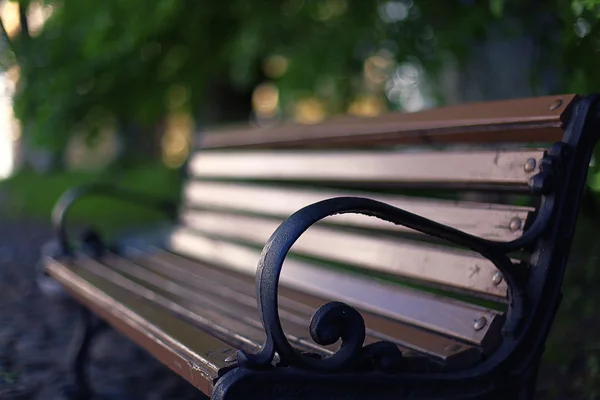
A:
(377, 371)
(68, 199)
(91, 243)
(78, 386)
(337, 320)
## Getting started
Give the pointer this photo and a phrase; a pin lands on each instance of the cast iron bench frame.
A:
(375, 371)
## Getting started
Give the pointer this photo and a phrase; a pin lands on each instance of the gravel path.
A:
(35, 332)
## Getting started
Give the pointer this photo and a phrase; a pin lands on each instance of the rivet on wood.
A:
(497, 278)
(515, 224)
(480, 323)
(231, 358)
(529, 165)
(555, 104)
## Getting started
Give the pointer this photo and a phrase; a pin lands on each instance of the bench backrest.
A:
(243, 183)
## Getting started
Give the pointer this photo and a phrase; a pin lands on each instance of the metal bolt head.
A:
(497, 278)
(555, 104)
(515, 224)
(231, 358)
(541, 183)
(480, 323)
(529, 165)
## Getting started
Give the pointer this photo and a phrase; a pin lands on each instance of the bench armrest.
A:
(337, 320)
(70, 197)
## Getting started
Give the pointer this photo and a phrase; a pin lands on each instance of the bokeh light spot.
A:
(265, 100)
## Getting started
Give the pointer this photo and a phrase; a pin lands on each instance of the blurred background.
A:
(118, 90)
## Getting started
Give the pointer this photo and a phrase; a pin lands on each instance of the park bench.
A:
(446, 289)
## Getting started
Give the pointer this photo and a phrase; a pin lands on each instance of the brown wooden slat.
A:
(436, 313)
(429, 263)
(470, 168)
(240, 301)
(490, 221)
(522, 120)
(454, 353)
(230, 313)
(237, 308)
(233, 331)
(197, 357)
(204, 277)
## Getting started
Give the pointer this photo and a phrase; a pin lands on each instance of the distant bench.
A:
(456, 308)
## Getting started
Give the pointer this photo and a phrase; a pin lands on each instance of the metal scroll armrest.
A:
(339, 321)
(70, 197)
(559, 182)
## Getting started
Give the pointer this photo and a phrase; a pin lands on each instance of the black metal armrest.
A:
(377, 369)
(337, 320)
(69, 198)
(352, 330)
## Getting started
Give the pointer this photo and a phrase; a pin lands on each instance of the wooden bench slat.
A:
(432, 312)
(236, 306)
(491, 221)
(192, 354)
(520, 120)
(429, 263)
(230, 330)
(243, 310)
(207, 279)
(472, 168)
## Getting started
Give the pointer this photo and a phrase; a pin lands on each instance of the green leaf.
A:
(497, 7)
(577, 6)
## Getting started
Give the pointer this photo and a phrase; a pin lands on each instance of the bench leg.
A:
(525, 388)
(78, 386)
(530, 385)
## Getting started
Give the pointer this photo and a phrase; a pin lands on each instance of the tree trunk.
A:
(137, 143)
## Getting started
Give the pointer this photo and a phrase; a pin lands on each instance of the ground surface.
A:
(34, 335)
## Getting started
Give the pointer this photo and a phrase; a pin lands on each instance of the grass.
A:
(32, 196)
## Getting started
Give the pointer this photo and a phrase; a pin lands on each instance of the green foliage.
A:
(32, 195)
(96, 62)
(579, 6)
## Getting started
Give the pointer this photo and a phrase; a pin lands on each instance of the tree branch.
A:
(23, 19)
(4, 34)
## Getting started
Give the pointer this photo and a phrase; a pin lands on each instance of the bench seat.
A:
(155, 283)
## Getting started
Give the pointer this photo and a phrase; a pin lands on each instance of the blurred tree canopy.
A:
(132, 62)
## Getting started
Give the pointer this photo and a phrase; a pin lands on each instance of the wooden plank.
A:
(231, 330)
(428, 311)
(207, 278)
(522, 120)
(490, 221)
(472, 168)
(437, 264)
(455, 354)
(242, 307)
(197, 357)
(238, 311)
